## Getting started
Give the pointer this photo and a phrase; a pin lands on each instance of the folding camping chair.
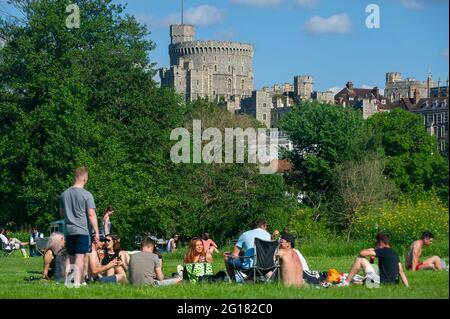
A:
(7, 250)
(265, 261)
(41, 245)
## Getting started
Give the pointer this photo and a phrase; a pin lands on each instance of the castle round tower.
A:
(218, 70)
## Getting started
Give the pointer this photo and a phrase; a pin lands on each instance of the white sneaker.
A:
(357, 279)
(373, 277)
(180, 271)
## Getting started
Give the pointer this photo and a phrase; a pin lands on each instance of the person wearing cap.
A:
(291, 266)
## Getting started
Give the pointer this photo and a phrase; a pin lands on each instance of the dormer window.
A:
(383, 101)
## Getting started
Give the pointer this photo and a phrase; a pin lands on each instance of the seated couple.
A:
(10, 243)
(107, 263)
(290, 260)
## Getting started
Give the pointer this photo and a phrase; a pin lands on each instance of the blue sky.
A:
(327, 39)
(412, 39)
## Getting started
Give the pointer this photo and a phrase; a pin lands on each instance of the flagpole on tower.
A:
(182, 12)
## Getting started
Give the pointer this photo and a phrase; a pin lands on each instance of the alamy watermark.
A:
(73, 19)
(373, 20)
(261, 149)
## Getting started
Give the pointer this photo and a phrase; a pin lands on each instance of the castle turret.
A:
(303, 87)
(392, 77)
(181, 33)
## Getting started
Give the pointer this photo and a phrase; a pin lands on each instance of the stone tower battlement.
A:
(218, 70)
(393, 77)
(303, 87)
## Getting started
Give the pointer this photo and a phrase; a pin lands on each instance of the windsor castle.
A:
(222, 71)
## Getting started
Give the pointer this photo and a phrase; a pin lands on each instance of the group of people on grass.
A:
(10, 243)
(86, 255)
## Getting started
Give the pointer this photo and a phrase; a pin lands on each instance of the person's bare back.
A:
(414, 253)
(291, 268)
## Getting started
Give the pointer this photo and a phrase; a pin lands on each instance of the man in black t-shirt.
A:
(389, 264)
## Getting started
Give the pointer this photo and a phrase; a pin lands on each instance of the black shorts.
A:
(78, 244)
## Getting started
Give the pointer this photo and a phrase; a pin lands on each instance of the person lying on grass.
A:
(145, 267)
(415, 252)
(291, 266)
(96, 270)
(389, 264)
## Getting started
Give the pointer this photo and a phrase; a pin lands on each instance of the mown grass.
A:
(13, 270)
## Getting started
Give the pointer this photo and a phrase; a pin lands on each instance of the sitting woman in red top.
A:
(209, 244)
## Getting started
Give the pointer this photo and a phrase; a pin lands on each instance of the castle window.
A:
(229, 84)
(264, 115)
(229, 59)
(215, 58)
(204, 67)
(242, 84)
(229, 69)
(264, 104)
(204, 58)
(198, 82)
(215, 68)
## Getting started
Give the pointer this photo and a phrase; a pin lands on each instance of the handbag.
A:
(196, 271)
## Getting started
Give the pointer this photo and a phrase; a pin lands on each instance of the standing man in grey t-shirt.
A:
(78, 208)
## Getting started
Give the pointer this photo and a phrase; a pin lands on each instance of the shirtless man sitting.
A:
(291, 267)
(415, 252)
(95, 269)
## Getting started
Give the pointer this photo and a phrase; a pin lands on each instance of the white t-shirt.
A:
(32, 242)
(4, 239)
(302, 260)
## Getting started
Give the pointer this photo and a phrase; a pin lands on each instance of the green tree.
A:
(87, 97)
(360, 187)
(412, 157)
(324, 137)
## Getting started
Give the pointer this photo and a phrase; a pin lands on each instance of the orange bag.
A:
(334, 276)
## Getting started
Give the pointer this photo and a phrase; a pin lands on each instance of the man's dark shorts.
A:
(78, 244)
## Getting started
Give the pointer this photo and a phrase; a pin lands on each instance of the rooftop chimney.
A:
(376, 92)
(416, 96)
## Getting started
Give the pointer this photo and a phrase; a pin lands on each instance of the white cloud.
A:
(258, 3)
(307, 3)
(413, 4)
(444, 53)
(203, 15)
(339, 23)
(335, 89)
(420, 4)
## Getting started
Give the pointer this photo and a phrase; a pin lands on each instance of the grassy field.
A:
(14, 270)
